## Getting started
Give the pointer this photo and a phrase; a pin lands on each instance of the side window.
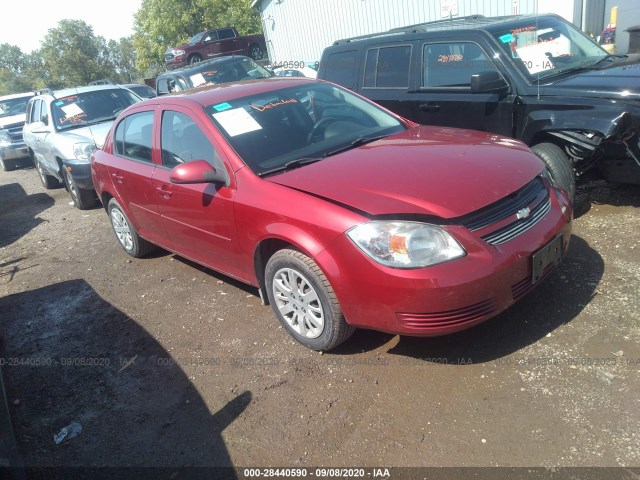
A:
(452, 64)
(162, 86)
(182, 141)
(36, 110)
(388, 67)
(29, 112)
(134, 136)
(225, 33)
(44, 116)
(210, 36)
(340, 68)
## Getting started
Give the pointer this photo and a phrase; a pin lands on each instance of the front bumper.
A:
(445, 298)
(81, 174)
(14, 151)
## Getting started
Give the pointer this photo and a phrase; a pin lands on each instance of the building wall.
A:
(299, 30)
(628, 16)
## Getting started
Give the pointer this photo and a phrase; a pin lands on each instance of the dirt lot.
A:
(164, 363)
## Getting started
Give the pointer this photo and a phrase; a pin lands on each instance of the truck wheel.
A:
(48, 181)
(558, 165)
(255, 52)
(195, 58)
(82, 199)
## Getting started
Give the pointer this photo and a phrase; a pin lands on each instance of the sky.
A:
(25, 23)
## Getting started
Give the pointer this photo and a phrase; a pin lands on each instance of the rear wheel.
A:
(7, 166)
(129, 239)
(82, 199)
(195, 58)
(304, 301)
(558, 165)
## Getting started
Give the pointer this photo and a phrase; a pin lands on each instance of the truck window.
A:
(226, 33)
(340, 68)
(388, 67)
(452, 64)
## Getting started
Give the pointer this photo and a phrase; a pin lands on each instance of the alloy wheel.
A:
(122, 229)
(298, 303)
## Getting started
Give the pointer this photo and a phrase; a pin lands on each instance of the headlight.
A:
(405, 244)
(5, 138)
(178, 52)
(83, 151)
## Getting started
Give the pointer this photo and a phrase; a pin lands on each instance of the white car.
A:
(295, 72)
(12, 116)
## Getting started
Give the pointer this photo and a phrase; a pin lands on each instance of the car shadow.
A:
(78, 358)
(555, 302)
(594, 190)
(20, 211)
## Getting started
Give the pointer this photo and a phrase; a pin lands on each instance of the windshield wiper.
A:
(354, 143)
(298, 162)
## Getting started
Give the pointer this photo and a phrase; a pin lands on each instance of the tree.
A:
(161, 24)
(73, 55)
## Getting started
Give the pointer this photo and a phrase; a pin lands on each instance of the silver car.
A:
(64, 127)
(12, 116)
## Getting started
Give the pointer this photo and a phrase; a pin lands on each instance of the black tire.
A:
(82, 199)
(7, 166)
(195, 58)
(47, 180)
(255, 51)
(558, 165)
(129, 240)
(287, 263)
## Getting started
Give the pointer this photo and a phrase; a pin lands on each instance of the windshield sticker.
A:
(262, 108)
(58, 103)
(237, 121)
(535, 58)
(72, 110)
(455, 57)
(506, 38)
(221, 107)
(197, 79)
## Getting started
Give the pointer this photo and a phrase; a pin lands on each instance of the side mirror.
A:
(197, 171)
(488, 81)
(45, 119)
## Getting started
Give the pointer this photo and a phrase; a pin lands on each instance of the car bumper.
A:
(81, 174)
(177, 62)
(445, 298)
(14, 151)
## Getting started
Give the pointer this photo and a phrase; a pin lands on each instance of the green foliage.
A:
(161, 24)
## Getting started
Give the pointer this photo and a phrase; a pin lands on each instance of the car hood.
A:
(618, 80)
(12, 119)
(93, 133)
(438, 171)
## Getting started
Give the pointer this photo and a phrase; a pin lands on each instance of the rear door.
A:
(199, 218)
(442, 91)
(131, 170)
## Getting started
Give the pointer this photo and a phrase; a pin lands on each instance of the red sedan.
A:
(342, 214)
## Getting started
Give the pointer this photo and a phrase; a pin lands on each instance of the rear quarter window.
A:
(340, 68)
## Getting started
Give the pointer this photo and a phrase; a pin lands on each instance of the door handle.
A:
(163, 191)
(429, 107)
(117, 178)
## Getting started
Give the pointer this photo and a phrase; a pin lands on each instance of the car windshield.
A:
(13, 106)
(548, 46)
(280, 129)
(89, 108)
(143, 91)
(234, 70)
(196, 38)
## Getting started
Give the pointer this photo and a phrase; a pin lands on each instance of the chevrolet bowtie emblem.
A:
(523, 213)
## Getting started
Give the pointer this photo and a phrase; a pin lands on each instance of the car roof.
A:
(17, 95)
(202, 65)
(77, 90)
(212, 94)
(471, 22)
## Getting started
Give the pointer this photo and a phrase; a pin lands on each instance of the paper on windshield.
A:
(197, 79)
(71, 110)
(237, 121)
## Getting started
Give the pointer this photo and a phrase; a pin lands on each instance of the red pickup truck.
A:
(215, 43)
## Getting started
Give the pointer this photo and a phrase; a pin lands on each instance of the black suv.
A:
(535, 78)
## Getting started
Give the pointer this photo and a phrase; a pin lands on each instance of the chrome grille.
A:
(520, 226)
(15, 133)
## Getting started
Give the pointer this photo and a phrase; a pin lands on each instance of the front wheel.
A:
(82, 199)
(7, 166)
(558, 165)
(48, 181)
(304, 301)
(193, 59)
(129, 239)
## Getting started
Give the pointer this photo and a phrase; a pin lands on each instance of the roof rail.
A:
(44, 91)
(410, 28)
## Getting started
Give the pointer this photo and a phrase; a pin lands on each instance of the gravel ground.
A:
(165, 363)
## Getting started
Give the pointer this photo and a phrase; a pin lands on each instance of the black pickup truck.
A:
(536, 78)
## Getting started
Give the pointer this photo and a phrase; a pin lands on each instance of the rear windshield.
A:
(89, 108)
(227, 71)
(547, 46)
